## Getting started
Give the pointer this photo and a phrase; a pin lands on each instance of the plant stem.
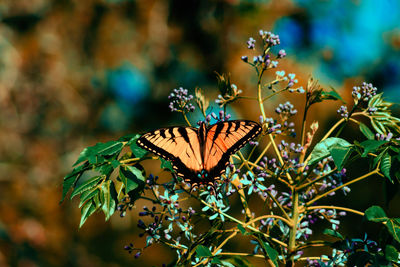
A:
(288, 222)
(260, 99)
(186, 119)
(295, 218)
(224, 242)
(262, 154)
(271, 95)
(279, 205)
(315, 180)
(278, 154)
(243, 224)
(343, 185)
(241, 254)
(336, 208)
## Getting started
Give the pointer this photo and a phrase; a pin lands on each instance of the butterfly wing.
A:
(180, 145)
(224, 139)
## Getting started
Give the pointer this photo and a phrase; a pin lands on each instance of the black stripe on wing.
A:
(219, 169)
(180, 168)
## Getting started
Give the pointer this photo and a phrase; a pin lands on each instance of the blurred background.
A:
(74, 73)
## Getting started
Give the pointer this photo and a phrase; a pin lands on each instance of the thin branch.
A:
(278, 154)
(262, 153)
(224, 242)
(336, 208)
(125, 161)
(316, 180)
(279, 205)
(243, 224)
(343, 185)
(241, 254)
(288, 222)
(277, 92)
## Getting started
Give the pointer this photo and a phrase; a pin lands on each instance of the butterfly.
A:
(200, 155)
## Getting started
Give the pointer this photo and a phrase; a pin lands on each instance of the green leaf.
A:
(85, 186)
(99, 149)
(105, 169)
(131, 177)
(166, 165)
(115, 163)
(215, 260)
(340, 155)
(333, 233)
(109, 194)
(271, 253)
(137, 150)
(376, 214)
(386, 164)
(243, 230)
(391, 253)
(393, 226)
(88, 195)
(331, 95)
(71, 179)
(88, 209)
(321, 150)
(371, 146)
(202, 251)
(366, 131)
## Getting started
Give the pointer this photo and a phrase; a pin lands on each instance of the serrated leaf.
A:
(371, 146)
(386, 163)
(331, 95)
(321, 150)
(131, 177)
(105, 169)
(215, 260)
(202, 251)
(340, 155)
(375, 214)
(72, 178)
(115, 163)
(109, 204)
(166, 165)
(88, 195)
(333, 233)
(366, 131)
(99, 149)
(378, 126)
(137, 150)
(391, 253)
(270, 252)
(88, 209)
(85, 186)
(393, 226)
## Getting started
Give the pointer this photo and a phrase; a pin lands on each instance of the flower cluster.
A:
(180, 101)
(286, 109)
(364, 93)
(343, 112)
(269, 38)
(291, 81)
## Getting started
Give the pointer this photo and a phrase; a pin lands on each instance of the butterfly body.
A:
(200, 155)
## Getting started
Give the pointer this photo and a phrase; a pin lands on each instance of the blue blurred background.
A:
(73, 73)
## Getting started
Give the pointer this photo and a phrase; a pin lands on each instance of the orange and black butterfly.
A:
(200, 155)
